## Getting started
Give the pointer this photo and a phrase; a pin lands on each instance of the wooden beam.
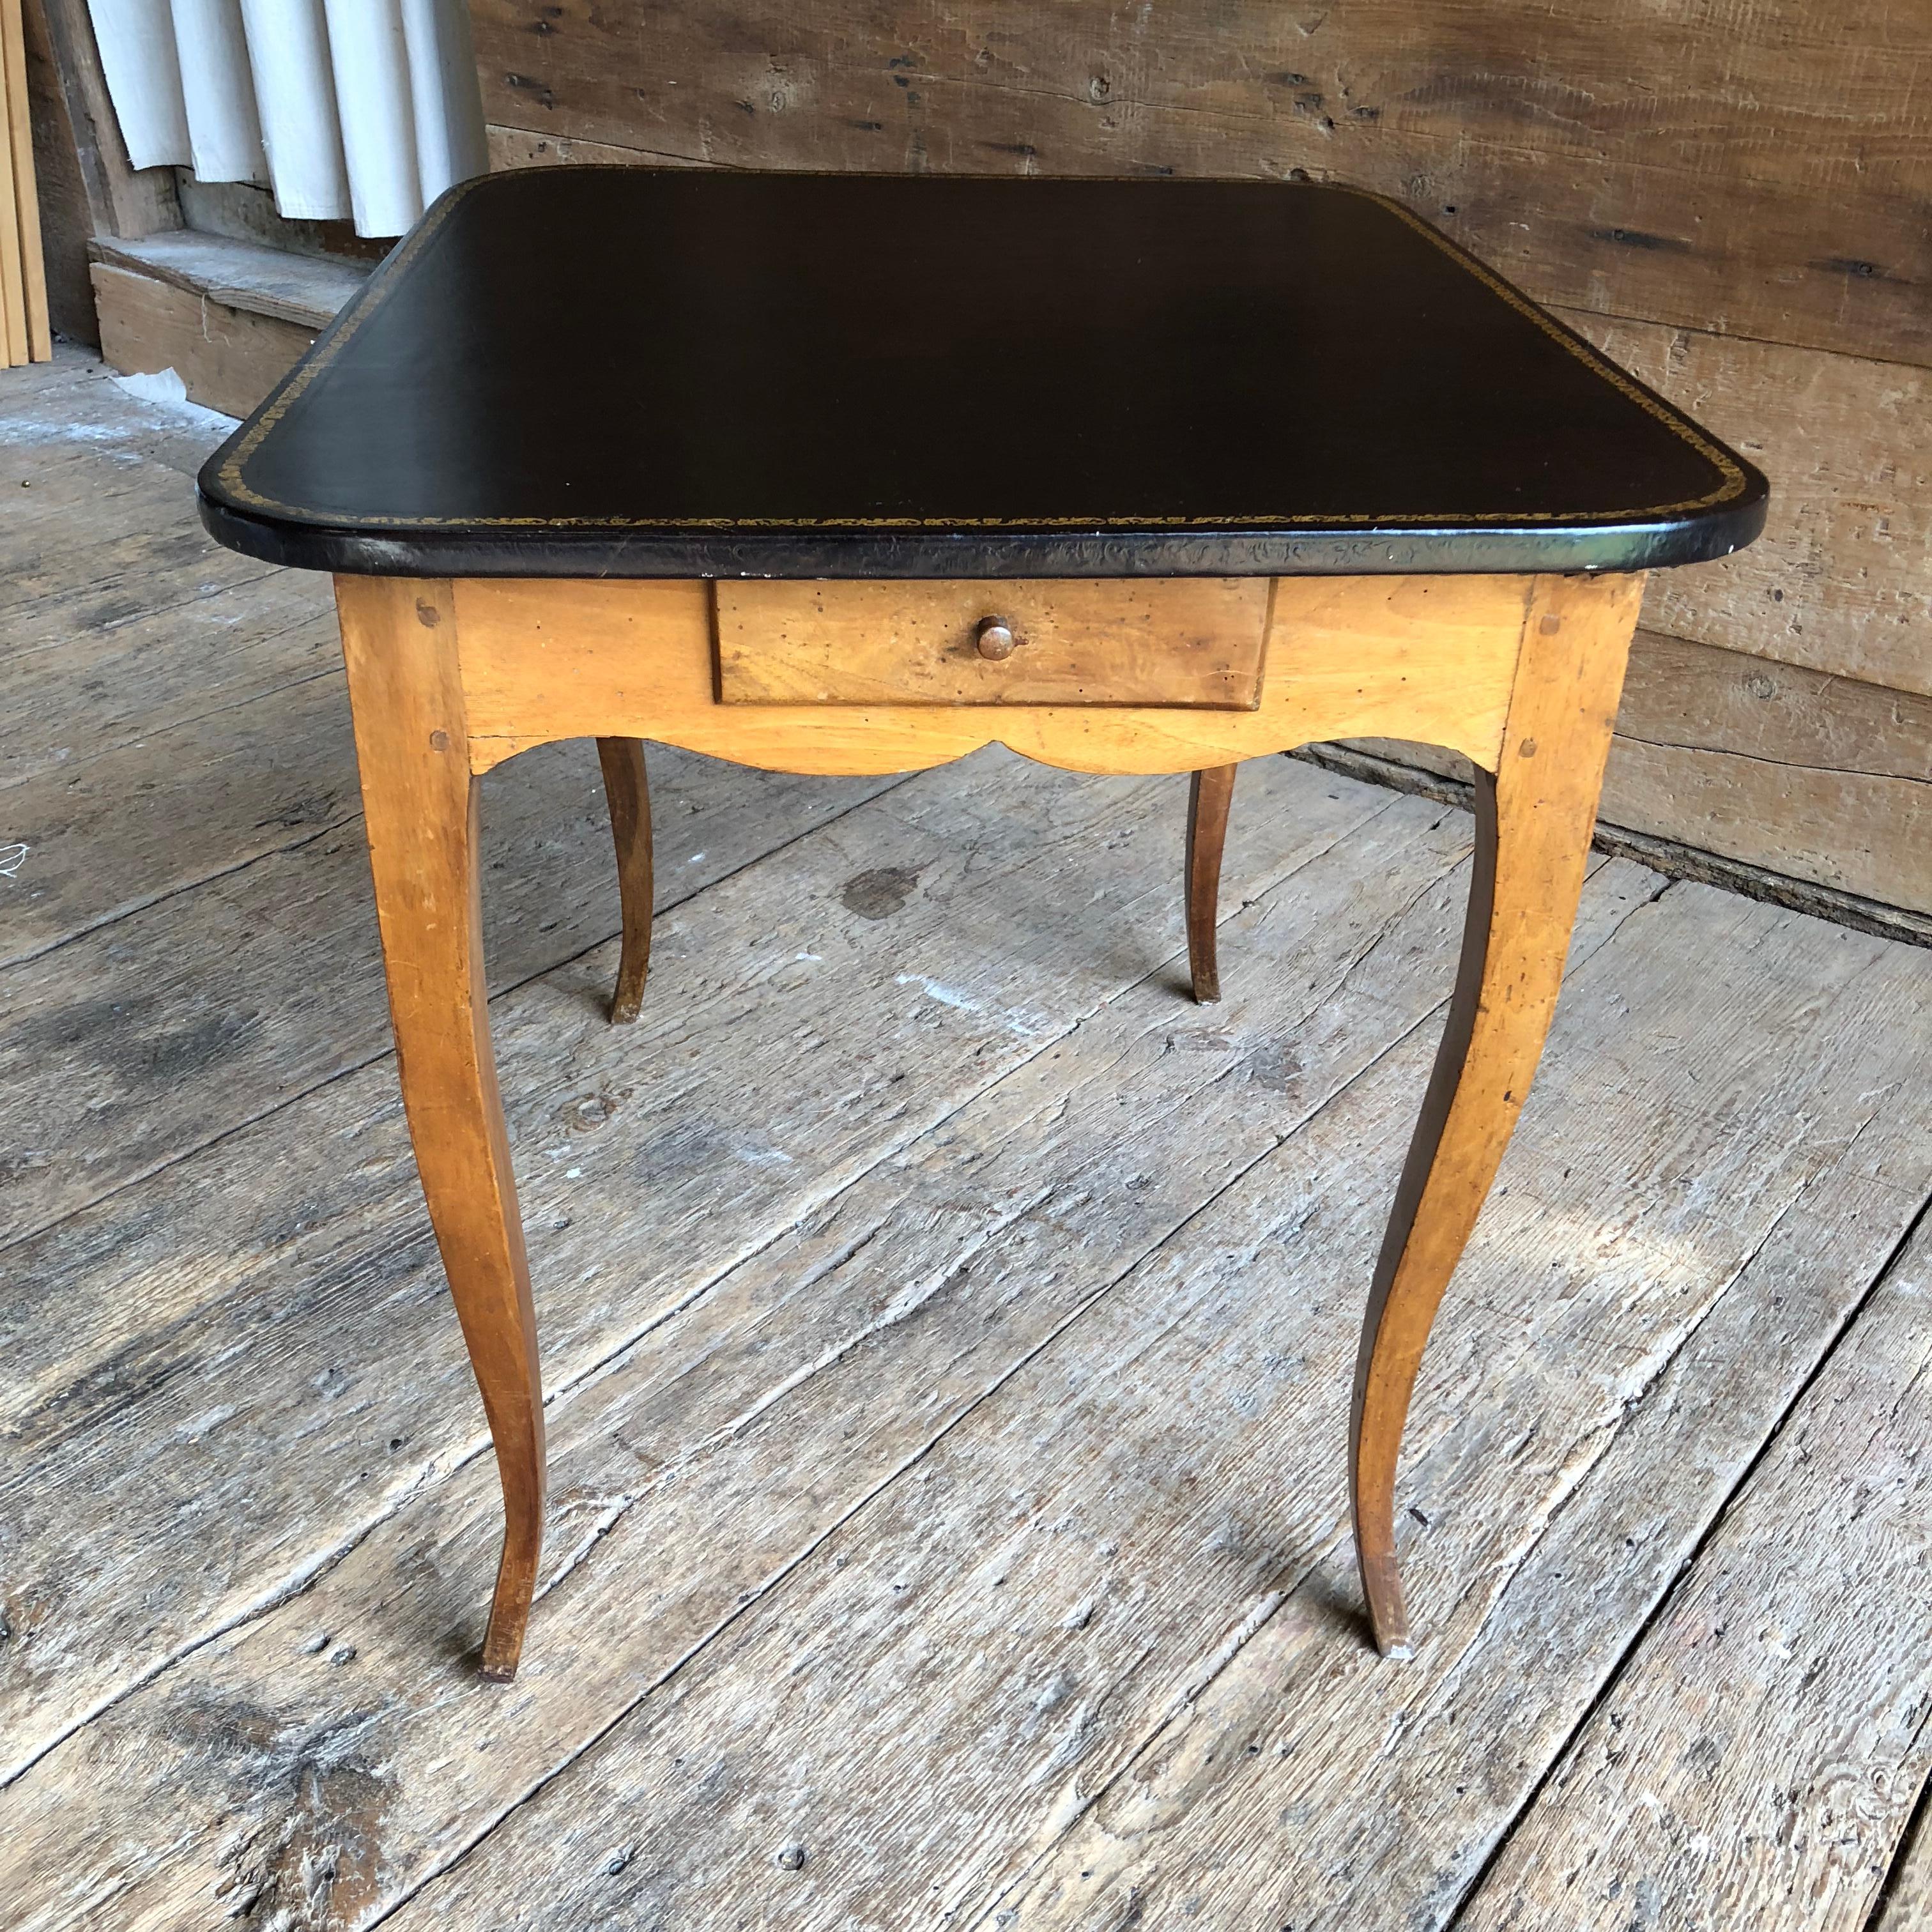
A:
(66, 221)
(123, 199)
(228, 358)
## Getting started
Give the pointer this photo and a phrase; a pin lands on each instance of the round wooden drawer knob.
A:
(997, 638)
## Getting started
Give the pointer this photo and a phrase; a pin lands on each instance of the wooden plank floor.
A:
(947, 1328)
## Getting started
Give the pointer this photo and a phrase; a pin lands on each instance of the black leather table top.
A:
(632, 372)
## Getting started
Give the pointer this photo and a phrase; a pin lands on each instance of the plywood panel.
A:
(1761, 169)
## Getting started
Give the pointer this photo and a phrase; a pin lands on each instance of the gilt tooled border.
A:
(233, 479)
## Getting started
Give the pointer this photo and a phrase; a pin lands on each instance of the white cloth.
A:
(137, 56)
(224, 135)
(294, 91)
(362, 108)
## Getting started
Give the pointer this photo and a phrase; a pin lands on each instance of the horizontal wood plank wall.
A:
(1791, 772)
(1733, 206)
(1815, 777)
(1760, 169)
(1841, 580)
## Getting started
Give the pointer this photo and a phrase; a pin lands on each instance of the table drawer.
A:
(1195, 642)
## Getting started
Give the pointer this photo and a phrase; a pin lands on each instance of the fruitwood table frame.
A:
(448, 678)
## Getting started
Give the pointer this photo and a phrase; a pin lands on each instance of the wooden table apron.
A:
(447, 678)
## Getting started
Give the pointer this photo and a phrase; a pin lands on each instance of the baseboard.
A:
(1666, 856)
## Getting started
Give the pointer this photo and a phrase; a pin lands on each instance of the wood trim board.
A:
(23, 281)
(123, 199)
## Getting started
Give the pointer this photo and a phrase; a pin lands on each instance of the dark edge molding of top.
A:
(831, 553)
(1696, 534)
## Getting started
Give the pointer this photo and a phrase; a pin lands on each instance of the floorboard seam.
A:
(1252, 1626)
(1916, 1826)
(819, 1203)
(1632, 1403)
(135, 735)
(1257, 1616)
(747, 1601)
(1620, 1665)
(1557, 1510)
(502, 992)
(141, 616)
(991, 1231)
(751, 1599)
(595, 1371)
(1662, 1368)
(291, 1586)
(139, 735)
(176, 890)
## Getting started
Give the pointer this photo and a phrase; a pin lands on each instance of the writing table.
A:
(841, 474)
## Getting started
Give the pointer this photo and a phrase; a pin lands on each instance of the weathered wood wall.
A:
(1735, 201)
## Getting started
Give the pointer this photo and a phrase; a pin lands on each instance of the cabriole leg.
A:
(1534, 820)
(420, 802)
(622, 760)
(1208, 796)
